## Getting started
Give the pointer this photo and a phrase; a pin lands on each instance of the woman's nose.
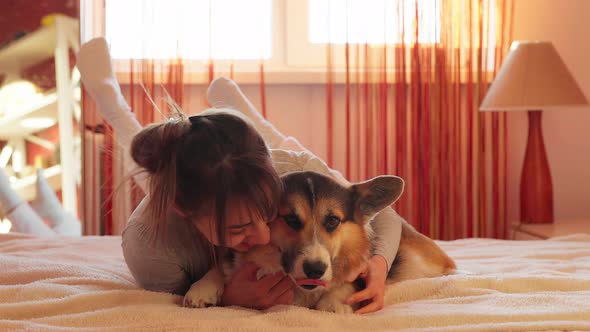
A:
(260, 233)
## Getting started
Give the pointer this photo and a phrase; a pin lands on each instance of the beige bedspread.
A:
(83, 284)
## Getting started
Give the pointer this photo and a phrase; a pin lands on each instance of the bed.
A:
(83, 284)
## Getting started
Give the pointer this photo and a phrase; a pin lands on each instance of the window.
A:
(372, 21)
(289, 35)
(192, 29)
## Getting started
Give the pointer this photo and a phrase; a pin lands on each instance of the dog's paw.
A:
(205, 293)
(330, 304)
(265, 271)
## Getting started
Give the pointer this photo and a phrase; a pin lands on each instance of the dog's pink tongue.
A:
(316, 282)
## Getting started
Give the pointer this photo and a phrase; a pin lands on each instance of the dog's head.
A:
(321, 225)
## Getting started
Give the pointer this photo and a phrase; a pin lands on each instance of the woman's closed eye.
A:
(239, 229)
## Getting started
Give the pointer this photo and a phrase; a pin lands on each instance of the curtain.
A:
(109, 194)
(408, 108)
(411, 109)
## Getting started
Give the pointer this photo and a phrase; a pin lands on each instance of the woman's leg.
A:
(20, 214)
(94, 63)
(225, 93)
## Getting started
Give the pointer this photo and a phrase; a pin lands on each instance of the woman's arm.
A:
(153, 267)
(387, 226)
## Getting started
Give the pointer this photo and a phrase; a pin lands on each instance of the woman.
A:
(211, 185)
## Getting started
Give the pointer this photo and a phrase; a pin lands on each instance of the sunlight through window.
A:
(373, 21)
(191, 29)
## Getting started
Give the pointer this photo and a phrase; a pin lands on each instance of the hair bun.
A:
(195, 120)
(153, 147)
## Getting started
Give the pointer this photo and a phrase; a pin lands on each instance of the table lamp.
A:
(533, 77)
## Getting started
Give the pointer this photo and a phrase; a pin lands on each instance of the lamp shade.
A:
(532, 77)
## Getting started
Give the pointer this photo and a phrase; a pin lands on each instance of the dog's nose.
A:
(314, 270)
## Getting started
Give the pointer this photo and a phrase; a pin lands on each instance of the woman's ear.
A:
(374, 195)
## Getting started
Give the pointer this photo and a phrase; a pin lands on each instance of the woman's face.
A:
(242, 231)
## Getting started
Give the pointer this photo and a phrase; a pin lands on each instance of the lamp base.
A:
(536, 188)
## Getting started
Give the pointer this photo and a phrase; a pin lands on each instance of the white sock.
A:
(48, 207)
(20, 214)
(9, 199)
(25, 220)
(225, 93)
(94, 64)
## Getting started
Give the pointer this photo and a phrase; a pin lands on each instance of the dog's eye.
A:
(293, 221)
(331, 223)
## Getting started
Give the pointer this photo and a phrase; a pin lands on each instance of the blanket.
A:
(70, 284)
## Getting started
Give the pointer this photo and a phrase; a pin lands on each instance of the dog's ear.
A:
(374, 195)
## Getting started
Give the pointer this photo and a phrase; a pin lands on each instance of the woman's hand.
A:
(244, 290)
(374, 274)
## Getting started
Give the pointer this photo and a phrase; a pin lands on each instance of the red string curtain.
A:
(411, 109)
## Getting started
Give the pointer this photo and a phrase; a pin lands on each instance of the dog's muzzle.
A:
(314, 271)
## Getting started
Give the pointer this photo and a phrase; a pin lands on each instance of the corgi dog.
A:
(323, 233)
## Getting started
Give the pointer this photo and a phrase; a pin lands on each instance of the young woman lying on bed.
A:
(210, 184)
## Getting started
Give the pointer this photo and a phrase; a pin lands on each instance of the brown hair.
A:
(202, 164)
